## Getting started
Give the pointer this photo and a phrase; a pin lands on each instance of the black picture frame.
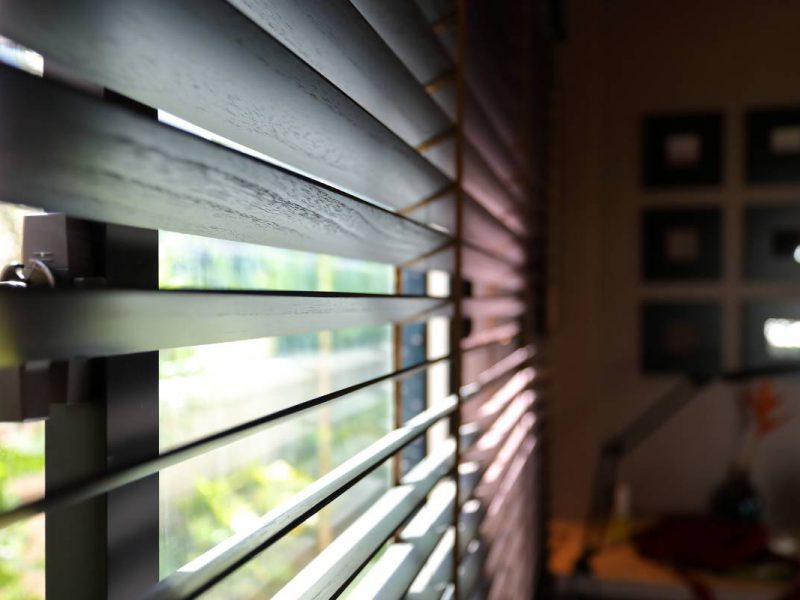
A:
(681, 244)
(682, 150)
(772, 243)
(681, 337)
(770, 333)
(773, 145)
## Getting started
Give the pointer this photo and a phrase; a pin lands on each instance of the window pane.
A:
(205, 389)
(208, 388)
(209, 498)
(188, 261)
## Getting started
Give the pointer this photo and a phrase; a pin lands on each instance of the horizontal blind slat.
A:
(490, 92)
(442, 153)
(483, 228)
(210, 567)
(469, 571)
(68, 152)
(478, 265)
(503, 161)
(436, 572)
(489, 445)
(500, 334)
(391, 576)
(334, 38)
(60, 324)
(503, 494)
(403, 28)
(84, 489)
(496, 372)
(496, 471)
(207, 63)
(443, 260)
(489, 410)
(324, 576)
(412, 38)
(469, 474)
(469, 434)
(469, 523)
(439, 212)
(343, 558)
(493, 306)
(482, 184)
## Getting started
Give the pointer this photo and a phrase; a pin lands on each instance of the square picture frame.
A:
(682, 150)
(770, 333)
(681, 337)
(772, 145)
(772, 243)
(681, 244)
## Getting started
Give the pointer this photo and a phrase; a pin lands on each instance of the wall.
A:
(623, 59)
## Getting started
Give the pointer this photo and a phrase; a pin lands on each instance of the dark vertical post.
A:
(131, 424)
(108, 547)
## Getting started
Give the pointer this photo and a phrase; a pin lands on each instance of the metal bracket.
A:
(57, 253)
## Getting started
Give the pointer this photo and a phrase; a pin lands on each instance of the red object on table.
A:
(702, 542)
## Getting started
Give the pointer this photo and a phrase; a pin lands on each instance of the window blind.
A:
(351, 130)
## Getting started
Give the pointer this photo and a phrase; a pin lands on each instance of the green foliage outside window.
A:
(21, 545)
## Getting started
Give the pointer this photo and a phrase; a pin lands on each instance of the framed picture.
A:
(682, 150)
(682, 244)
(772, 243)
(770, 333)
(681, 337)
(773, 145)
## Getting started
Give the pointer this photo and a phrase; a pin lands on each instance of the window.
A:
(256, 312)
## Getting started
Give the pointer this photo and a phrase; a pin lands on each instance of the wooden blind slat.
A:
(484, 229)
(65, 151)
(483, 185)
(334, 38)
(479, 266)
(433, 578)
(59, 324)
(405, 29)
(332, 568)
(207, 63)
(470, 521)
(208, 568)
(502, 159)
(442, 154)
(469, 571)
(402, 26)
(391, 576)
(493, 306)
(439, 212)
